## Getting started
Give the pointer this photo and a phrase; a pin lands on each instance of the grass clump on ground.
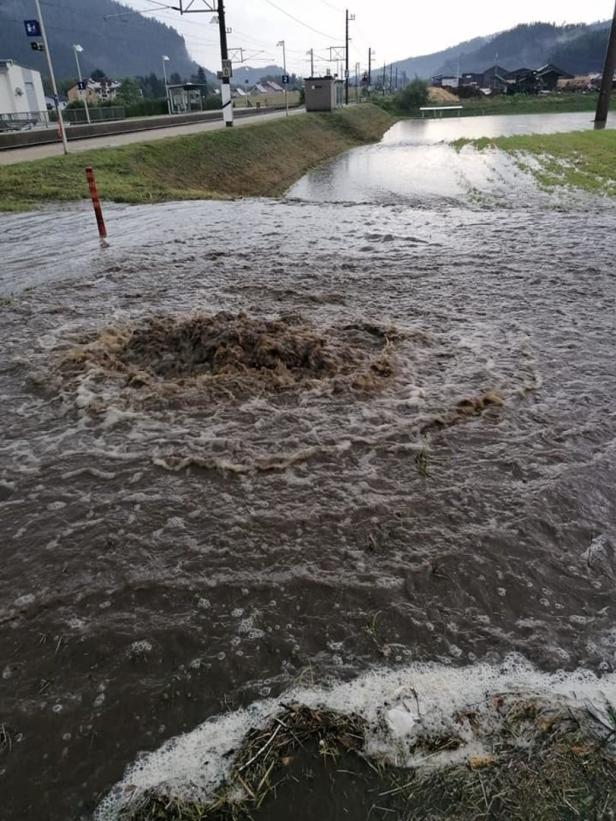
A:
(580, 159)
(514, 758)
(257, 160)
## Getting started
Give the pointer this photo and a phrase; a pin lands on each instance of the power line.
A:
(301, 22)
(332, 6)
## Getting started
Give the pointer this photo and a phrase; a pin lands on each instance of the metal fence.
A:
(98, 114)
(26, 121)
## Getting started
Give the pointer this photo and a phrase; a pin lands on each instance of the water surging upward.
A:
(236, 461)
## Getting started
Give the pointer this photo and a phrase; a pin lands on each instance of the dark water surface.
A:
(170, 560)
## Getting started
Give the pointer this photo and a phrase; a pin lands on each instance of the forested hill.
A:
(576, 48)
(120, 43)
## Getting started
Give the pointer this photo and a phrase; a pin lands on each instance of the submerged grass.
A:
(258, 160)
(579, 159)
(530, 761)
(260, 765)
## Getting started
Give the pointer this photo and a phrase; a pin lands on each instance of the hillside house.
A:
(96, 91)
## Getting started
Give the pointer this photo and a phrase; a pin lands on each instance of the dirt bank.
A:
(262, 160)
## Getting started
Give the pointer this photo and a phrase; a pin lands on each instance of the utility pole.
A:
(284, 68)
(605, 93)
(227, 105)
(53, 77)
(369, 68)
(346, 58)
(186, 7)
(346, 55)
(311, 53)
(391, 77)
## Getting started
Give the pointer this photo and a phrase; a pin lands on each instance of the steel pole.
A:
(605, 93)
(166, 87)
(53, 78)
(346, 58)
(284, 66)
(85, 98)
(225, 89)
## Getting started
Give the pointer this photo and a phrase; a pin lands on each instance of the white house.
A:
(21, 89)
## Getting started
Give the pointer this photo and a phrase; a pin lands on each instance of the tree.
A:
(129, 92)
(175, 79)
(152, 87)
(98, 74)
(412, 96)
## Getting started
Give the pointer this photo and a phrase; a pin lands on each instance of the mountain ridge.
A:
(114, 39)
(578, 48)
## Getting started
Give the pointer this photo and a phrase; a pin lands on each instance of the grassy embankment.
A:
(258, 160)
(579, 159)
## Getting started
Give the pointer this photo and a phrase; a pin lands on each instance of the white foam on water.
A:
(398, 705)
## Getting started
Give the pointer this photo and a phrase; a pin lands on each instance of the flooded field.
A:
(358, 444)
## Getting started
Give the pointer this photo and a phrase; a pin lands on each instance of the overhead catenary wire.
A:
(300, 22)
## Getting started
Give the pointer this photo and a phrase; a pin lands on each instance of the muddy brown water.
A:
(166, 561)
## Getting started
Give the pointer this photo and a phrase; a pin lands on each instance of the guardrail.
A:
(438, 109)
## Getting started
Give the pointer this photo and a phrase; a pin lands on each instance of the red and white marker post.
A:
(98, 211)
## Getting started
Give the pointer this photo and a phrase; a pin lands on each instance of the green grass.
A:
(259, 160)
(579, 159)
(531, 104)
(514, 104)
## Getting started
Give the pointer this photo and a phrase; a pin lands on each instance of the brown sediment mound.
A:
(236, 353)
(464, 409)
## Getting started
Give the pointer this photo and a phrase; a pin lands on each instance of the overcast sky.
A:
(394, 28)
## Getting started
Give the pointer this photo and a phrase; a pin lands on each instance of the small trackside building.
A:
(323, 93)
(21, 89)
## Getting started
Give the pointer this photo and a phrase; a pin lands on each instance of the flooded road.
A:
(429, 481)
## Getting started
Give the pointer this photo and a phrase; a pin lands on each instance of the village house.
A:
(96, 91)
(497, 79)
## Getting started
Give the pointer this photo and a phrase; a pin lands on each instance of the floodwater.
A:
(176, 545)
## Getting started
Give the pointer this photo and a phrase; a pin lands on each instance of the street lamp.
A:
(78, 49)
(166, 60)
(281, 43)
